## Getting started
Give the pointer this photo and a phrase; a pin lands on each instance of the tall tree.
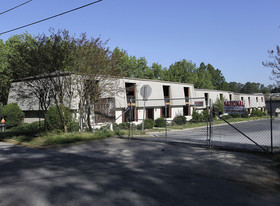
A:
(217, 78)
(183, 71)
(274, 63)
(12, 64)
(204, 80)
(97, 68)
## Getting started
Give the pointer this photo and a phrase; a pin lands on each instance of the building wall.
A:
(115, 89)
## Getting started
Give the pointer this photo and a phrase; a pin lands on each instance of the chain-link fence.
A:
(192, 121)
(260, 131)
(180, 120)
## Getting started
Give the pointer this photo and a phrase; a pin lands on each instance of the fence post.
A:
(210, 132)
(165, 104)
(271, 127)
(130, 117)
(207, 109)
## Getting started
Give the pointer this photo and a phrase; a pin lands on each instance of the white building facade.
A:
(163, 99)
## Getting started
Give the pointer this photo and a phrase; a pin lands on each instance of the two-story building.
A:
(147, 98)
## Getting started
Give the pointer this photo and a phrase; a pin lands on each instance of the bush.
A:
(27, 129)
(54, 120)
(124, 125)
(160, 122)
(180, 120)
(245, 115)
(196, 116)
(148, 124)
(256, 113)
(73, 126)
(13, 115)
(235, 115)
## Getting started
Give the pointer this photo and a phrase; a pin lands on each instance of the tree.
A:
(204, 80)
(274, 64)
(157, 71)
(217, 78)
(48, 61)
(12, 64)
(183, 71)
(235, 87)
(96, 70)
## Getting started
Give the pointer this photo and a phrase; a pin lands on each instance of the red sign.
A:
(234, 107)
(198, 104)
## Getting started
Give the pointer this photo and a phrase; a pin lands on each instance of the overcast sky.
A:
(232, 35)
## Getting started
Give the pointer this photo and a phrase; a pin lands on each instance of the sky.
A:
(231, 35)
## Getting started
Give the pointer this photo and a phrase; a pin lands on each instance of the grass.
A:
(50, 139)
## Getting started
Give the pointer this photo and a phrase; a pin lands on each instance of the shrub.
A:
(180, 120)
(235, 115)
(196, 116)
(245, 115)
(27, 129)
(148, 124)
(124, 125)
(160, 122)
(73, 126)
(256, 113)
(54, 120)
(13, 115)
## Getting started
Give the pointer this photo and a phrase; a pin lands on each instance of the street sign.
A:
(145, 91)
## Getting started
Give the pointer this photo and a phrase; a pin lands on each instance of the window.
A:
(230, 97)
(257, 99)
(130, 92)
(186, 110)
(187, 92)
(131, 115)
(221, 96)
(166, 113)
(150, 113)
(166, 93)
(206, 98)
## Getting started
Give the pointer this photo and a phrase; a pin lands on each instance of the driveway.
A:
(130, 172)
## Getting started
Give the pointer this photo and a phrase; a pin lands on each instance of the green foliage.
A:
(27, 129)
(180, 120)
(160, 122)
(124, 126)
(55, 122)
(148, 124)
(62, 138)
(257, 113)
(198, 117)
(218, 106)
(13, 115)
(245, 115)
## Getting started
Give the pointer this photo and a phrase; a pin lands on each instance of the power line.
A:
(36, 22)
(15, 7)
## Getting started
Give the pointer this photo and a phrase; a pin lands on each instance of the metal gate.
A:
(175, 120)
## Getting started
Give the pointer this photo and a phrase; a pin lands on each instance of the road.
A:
(130, 172)
(224, 135)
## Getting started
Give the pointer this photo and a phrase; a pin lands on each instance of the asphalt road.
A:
(130, 172)
(226, 136)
